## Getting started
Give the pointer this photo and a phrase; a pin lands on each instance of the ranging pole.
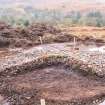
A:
(74, 43)
(42, 101)
(41, 42)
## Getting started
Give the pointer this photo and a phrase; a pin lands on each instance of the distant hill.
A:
(81, 12)
(66, 5)
(83, 5)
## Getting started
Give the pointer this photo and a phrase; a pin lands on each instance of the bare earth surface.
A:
(57, 84)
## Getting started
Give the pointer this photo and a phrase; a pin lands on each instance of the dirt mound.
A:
(31, 35)
(38, 33)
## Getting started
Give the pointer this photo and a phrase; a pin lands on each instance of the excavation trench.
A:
(56, 79)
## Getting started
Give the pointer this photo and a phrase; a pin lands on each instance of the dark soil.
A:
(31, 35)
(56, 84)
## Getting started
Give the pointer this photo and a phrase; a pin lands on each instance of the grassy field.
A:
(83, 32)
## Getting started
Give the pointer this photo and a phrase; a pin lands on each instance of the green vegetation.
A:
(29, 15)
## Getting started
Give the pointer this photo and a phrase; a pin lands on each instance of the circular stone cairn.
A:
(55, 79)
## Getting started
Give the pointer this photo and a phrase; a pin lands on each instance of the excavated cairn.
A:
(16, 98)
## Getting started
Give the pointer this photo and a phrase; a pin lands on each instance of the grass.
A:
(83, 32)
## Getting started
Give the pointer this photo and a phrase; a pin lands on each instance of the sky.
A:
(43, 1)
(46, 2)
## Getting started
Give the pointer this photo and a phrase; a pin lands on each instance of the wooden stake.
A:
(74, 43)
(41, 42)
(42, 102)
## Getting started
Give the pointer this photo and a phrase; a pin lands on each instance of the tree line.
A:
(30, 15)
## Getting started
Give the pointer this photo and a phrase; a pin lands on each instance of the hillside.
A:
(84, 6)
(66, 5)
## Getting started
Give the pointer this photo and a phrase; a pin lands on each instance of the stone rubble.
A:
(87, 59)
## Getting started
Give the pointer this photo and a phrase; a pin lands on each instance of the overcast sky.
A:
(37, 2)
